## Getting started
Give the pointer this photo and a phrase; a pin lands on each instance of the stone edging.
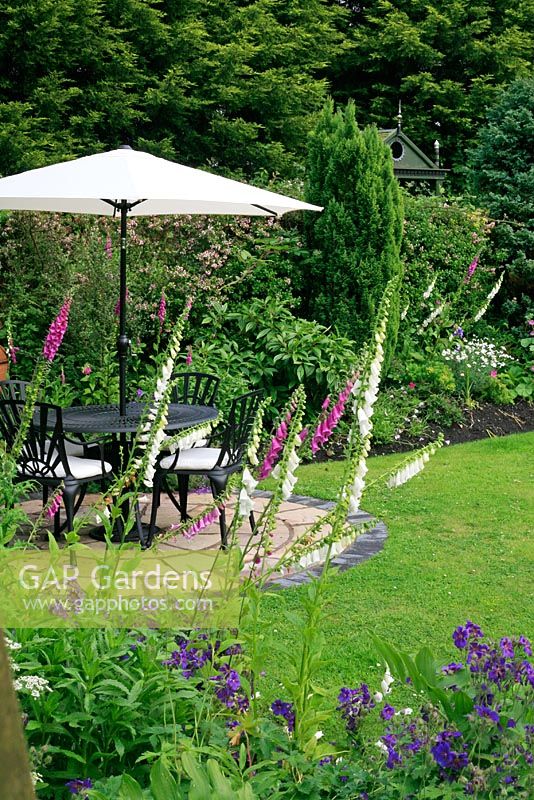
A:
(365, 546)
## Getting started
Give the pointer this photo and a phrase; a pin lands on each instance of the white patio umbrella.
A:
(136, 183)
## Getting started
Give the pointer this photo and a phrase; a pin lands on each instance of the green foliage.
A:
(95, 721)
(220, 83)
(441, 239)
(502, 175)
(12, 517)
(445, 60)
(519, 379)
(42, 256)
(354, 244)
(236, 86)
(398, 414)
(262, 344)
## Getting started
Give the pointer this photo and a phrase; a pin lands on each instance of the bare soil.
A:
(481, 422)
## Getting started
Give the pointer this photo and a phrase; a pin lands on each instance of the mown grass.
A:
(460, 546)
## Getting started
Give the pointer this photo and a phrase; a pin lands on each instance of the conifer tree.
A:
(502, 176)
(354, 244)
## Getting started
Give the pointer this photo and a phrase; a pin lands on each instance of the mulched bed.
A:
(483, 421)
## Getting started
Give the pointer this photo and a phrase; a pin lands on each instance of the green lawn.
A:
(460, 546)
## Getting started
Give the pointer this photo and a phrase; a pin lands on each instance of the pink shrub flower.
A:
(162, 310)
(86, 369)
(54, 506)
(471, 269)
(57, 331)
(411, 385)
(117, 309)
(107, 247)
(326, 427)
(189, 357)
(493, 373)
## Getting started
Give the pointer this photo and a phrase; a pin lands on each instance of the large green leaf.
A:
(130, 789)
(162, 783)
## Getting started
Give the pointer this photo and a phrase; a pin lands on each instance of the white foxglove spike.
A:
(246, 506)
(429, 290)
(248, 480)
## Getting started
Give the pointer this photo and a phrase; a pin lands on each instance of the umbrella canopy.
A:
(150, 185)
(134, 183)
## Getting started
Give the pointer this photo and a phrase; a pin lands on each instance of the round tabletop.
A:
(106, 418)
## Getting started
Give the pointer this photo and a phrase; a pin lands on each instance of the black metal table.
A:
(106, 419)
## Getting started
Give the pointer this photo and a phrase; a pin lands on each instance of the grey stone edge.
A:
(365, 546)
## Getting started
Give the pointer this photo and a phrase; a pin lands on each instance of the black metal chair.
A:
(192, 389)
(217, 463)
(195, 388)
(13, 390)
(44, 457)
(16, 390)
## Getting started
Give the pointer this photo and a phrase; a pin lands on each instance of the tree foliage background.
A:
(446, 59)
(502, 176)
(218, 82)
(236, 84)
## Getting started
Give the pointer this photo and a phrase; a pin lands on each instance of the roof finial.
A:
(399, 118)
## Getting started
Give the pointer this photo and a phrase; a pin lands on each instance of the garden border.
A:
(365, 546)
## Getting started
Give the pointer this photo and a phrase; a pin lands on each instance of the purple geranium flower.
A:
(525, 644)
(487, 713)
(285, 710)
(77, 786)
(450, 669)
(354, 703)
(507, 647)
(466, 633)
(444, 755)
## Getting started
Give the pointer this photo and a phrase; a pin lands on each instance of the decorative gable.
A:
(409, 162)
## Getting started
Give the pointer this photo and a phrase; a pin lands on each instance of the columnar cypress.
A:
(354, 244)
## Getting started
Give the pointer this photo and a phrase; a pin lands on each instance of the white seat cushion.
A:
(86, 467)
(79, 468)
(196, 458)
(71, 449)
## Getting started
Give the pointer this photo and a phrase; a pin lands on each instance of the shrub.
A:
(441, 239)
(44, 255)
(262, 344)
(475, 364)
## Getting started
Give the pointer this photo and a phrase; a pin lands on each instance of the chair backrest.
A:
(195, 388)
(43, 451)
(239, 424)
(13, 390)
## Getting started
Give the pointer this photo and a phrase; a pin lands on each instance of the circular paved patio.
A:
(294, 516)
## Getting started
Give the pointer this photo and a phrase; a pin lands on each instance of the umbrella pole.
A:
(123, 342)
